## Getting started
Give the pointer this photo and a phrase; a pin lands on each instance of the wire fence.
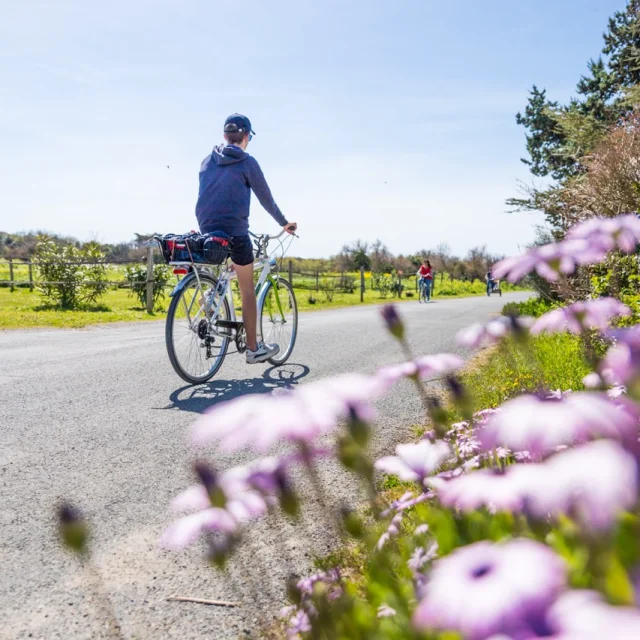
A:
(15, 273)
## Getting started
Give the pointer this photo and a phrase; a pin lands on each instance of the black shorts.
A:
(241, 250)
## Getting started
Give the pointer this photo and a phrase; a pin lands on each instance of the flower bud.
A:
(352, 523)
(293, 591)
(287, 497)
(348, 452)
(519, 329)
(358, 428)
(393, 321)
(220, 549)
(438, 414)
(209, 480)
(461, 398)
(73, 528)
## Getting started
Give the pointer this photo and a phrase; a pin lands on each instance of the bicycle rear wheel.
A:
(196, 348)
(279, 318)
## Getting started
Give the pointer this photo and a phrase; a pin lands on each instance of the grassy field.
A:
(22, 309)
(554, 362)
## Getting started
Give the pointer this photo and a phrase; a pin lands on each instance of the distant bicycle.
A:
(201, 321)
(425, 288)
(493, 286)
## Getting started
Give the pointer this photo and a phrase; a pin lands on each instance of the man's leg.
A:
(249, 310)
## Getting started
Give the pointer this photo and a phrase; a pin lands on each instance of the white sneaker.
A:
(262, 353)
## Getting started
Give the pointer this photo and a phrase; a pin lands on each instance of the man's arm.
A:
(260, 187)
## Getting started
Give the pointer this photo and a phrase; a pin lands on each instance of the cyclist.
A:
(491, 283)
(426, 279)
(227, 177)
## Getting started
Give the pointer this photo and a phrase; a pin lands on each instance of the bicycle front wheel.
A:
(279, 318)
(195, 346)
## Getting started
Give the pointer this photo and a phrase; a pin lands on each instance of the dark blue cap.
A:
(237, 123)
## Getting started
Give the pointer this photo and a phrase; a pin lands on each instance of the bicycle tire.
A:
(282, 356)
(169, 334)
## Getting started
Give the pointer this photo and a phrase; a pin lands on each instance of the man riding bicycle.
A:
(491, 283)
(227, 177)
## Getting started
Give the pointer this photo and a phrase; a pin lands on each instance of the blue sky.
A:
(374, 118)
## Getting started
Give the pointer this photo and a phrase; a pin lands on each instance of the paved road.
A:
(98, 416)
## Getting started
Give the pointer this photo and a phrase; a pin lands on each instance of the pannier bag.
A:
(207, 248)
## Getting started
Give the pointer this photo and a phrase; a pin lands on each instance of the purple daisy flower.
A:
(385, 611)
(529, 423)
(622, 232)
(485, 589)
(392, 530)
(621, 364)
(421, 556)
(300, 416)
(576, 318)
(414, 462)
(299, 623)
(593, 483)
(330, 577)
(423, 366)
(493, 331)
(483, 488)
(550, 260)
(188, 529)
(583, 615)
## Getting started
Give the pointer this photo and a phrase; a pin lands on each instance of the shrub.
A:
(347, 283)
(534, 307)
(383, 283)
(64, 280)
(328, 287)
(136, 276)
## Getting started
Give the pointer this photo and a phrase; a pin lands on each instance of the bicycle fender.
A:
(181, 285)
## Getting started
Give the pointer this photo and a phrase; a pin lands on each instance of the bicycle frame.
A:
(223, 289)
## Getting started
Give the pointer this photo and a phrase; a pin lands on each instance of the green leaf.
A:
(618, 587)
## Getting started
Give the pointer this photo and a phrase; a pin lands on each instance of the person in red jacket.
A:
(426, 279)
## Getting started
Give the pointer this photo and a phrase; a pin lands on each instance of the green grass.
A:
(553, 362)
(23, 309)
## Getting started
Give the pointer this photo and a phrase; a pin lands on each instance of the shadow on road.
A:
(197, 399)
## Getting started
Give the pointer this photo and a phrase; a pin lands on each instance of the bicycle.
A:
(201, 320)
(423, 290)
(493, 286)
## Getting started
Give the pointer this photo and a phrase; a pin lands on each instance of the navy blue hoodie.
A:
(227, 177)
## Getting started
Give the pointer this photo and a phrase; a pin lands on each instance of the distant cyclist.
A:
(425, 274)
(227, 177)
(491, 283)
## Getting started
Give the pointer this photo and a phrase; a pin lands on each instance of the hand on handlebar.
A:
(291, 228)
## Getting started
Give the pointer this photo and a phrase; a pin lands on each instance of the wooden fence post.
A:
(13, 287)
(291, 272)
(150, 279)
(399, 286)
(31, 277)
(361, 283)
(317, 281)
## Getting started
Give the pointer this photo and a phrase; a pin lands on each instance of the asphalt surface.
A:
(97, 416)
